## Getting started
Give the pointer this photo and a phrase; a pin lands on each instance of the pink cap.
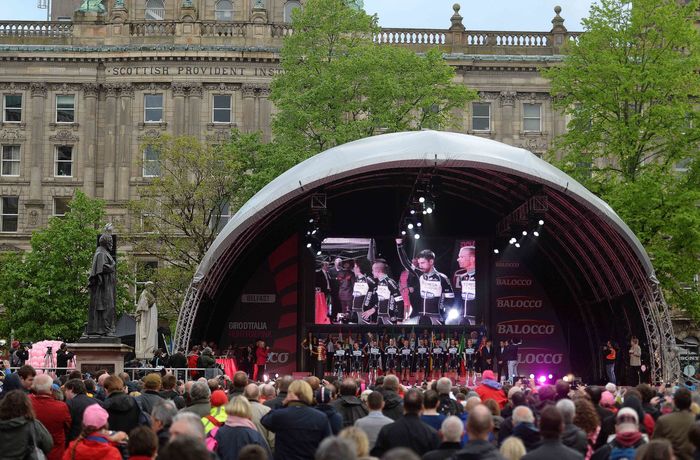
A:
(607, 399)
(95, 416)
(488, 375)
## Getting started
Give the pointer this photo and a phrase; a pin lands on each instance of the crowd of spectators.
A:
(74, 417)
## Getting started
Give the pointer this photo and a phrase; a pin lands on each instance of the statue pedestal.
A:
(93, 354)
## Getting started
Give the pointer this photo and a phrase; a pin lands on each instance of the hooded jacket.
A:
(94, 446)
(56, 419)
(123, 412)
(528, 434)
(393, 405)
(16, 434)
(351, 408)
(482, 450)
(575, 438)
(490, 389)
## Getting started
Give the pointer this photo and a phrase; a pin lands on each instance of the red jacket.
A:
(261, 356)
(489, 392)
(54, 415)
(192, 363)
(95, 446)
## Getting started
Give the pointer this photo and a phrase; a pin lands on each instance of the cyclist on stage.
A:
(470, 359)
(374, 354)
(391, 359)
(422, 360)
(453, 358)
(406, 361)
(356, 360)
(339, 360)
(438, 361)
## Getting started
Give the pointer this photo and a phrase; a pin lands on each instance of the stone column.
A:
(250, 115)
(38, 93)
(508, 121)
(265, 114)
(110, 123)
(179, 90)
(125, 124)
(194, 109)
(90, 91)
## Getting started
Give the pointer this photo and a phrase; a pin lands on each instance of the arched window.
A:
(224, 10)
(288, 8)
(155, 10)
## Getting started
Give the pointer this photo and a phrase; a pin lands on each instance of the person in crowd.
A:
(676, 425)
(26, 375)
(207, 362)
(350, 407)
(596, 393)
(489, 388)
(451, 433)
(479, 427)
(123, 410)
(253, 452)
(324, 400)
(238, 431)
(572, 436)
(258, 411)
(408, 431)
(217, 415)
(185, 447)
(162, 417)
(261, 353)
(178, 361)
(240, 380)
(169, 382)
(95, 441)
(430, 414)
(77, 401)
(53, 414)
(187, 424)
(200, 399)
(192, 359)
(373, 422)
(694, 437)
(282, 388)
(268, 393)
(63, 357)
(587, 419)
(335, 448)
(496, 414)
(150, 396)
(648, 393)
(657, 449)
(143, 444)
(298, 427)
(551, 428)
(18, 426)
(513, 448)
(359, 440)
(525, 429)
(627, 438)
(446, 405)
(393, 405)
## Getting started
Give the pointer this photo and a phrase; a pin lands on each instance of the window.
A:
(147, 225)
(155, 10)
(60, 206)
(223, 11)
(224, 216)
(532, 117)
(10, 160)
(9, 213)
(65, 108)
(153, 108)
(222, 109)
(64, 161)
(151, 162)
(288, 8)
(481, 116)
(13, 108)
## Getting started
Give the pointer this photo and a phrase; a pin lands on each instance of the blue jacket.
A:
(298, 428)
(232, 439)
(334, 417)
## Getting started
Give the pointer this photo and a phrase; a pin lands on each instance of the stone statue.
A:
(102, 284)
(146, 323)
(92, 5)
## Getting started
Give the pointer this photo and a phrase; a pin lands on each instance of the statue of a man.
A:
(103, 288)
(146, 323)
(92, 5)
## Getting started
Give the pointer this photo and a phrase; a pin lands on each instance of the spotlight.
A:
(429, 210)
(308, 245)
(311, 221)
(542, 379)
(495, 251)
(512, 241)
(314, 232)
(419, 224)
(416, 236)
(425, 212)
(541, 222)
(452, 314)
(410, 226)
(532, 376)
(403, 232)
(550, 376)
(318, 253)
(536, 233)
(265, 378)
(565, 378)
(421, 200)
(413, 211)
(277, 376)
(308, 233)
(524, 232)
(517, 245)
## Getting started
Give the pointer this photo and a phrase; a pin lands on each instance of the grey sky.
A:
(534, 15)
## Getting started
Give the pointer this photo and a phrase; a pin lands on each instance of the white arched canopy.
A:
(610, 259)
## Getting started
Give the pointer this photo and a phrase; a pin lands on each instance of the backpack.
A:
(618, 452)
(211, 441)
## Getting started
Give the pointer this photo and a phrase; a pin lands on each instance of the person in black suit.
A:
(408, 431)
(551, 428)
(501, 364)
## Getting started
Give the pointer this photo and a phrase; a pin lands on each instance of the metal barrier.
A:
(135, 373)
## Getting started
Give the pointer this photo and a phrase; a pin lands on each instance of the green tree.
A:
(338, 85)
(44, 291)
(630, 84)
